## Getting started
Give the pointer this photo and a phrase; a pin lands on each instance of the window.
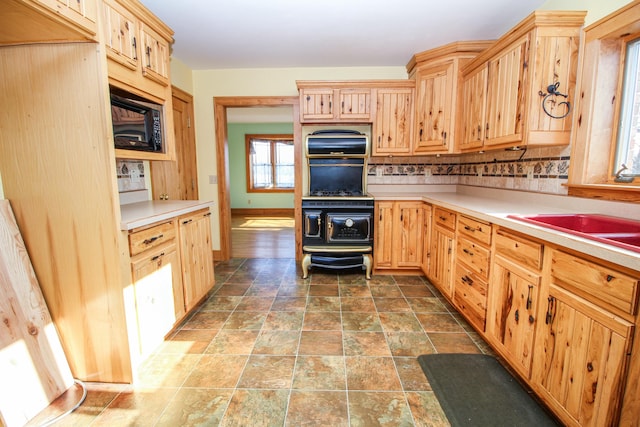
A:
(607, 111)
(627, 159)
(270, 163)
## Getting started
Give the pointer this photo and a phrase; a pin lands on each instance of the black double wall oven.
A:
(337, 213)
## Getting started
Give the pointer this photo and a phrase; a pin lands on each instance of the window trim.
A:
(595, 122)
(249, 181)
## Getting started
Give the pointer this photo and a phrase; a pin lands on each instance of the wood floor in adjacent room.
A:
(262, 236)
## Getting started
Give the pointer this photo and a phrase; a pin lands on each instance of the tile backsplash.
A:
(542, 170)
(130, 175)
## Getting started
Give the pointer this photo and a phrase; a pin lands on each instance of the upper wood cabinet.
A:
(137, 47)
(34, 21)
(504, 87)
(437, 101)
(332, 101)
(393, 120)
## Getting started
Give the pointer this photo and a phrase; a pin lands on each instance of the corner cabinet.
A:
(501, 102)
(399, 235)
(196, 256)
(437, 75)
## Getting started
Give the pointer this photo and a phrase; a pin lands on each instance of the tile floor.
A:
(268, 348)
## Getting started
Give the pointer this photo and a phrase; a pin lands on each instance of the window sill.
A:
(620, 193)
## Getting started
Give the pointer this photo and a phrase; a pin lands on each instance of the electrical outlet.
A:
(530, 173)
(213, 179)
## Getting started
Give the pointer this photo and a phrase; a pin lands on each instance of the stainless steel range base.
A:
(337, 257)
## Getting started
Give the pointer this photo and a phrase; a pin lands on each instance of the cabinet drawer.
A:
(470, 296)
(595, 282)
(475, 229)
(445, 218)
(519, 249)
(474, 256)
(142, 240)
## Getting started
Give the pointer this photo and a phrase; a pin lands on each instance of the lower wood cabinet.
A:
(196, 256)
(441, 263)
(158, 294)
(399, 234)
(172, 270)
(582, 349)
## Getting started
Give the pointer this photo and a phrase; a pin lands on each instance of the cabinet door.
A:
(393, 124)
(426, 241)
(511, 312)
(158, 295)
(434, 93)
(442, 258)
(120, 31)
(474, 88)
(355, 104)
(582, 359)
(155, 54)
(197, 258)
(383, 234)
(83, 13)
(409, 236)
(506, 95)
(316, 105)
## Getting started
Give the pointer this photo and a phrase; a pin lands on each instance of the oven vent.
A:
(337, 143)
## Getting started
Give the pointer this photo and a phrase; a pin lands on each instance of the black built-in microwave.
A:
(137, 125)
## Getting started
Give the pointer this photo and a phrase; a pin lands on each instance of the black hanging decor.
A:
(550, 96)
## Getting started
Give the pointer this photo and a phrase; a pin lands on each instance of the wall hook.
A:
(552, 91)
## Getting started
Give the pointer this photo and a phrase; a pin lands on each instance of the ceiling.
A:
(215, 34)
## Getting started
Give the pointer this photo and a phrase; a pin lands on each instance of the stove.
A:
(337, 213)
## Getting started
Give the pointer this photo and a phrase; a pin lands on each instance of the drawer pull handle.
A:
(550, 307)
(153, 239)
(529, 302)
(155, 258)
(442, 218)
(467, 280)
(610, 277)
(517, 316)
(468, 252)
(187, 221)
(471, 229)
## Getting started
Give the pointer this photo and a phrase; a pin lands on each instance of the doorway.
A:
(221, 104)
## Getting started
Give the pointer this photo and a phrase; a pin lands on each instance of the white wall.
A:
(596, 9)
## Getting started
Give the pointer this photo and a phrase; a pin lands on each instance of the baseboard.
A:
(263, 211)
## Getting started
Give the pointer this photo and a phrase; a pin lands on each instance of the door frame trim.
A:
(220, 105)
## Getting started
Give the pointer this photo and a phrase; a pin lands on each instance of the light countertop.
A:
(139, 214)
(495, 205)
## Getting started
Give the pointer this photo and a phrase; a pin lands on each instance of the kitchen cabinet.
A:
(137, 46)
(393, 122)
(473, 240)
(196, 256)
(582, 348)
(427, 216)
(502, 106)
(399, 235)
(437, 75)
(441, 262)
(327, 102)
(513, 298)
(33, 21)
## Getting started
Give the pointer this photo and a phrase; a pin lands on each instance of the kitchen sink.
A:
(621, 232)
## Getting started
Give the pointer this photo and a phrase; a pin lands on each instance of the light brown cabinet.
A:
(473, 240)
(156, 55)
(335, 102)
(442, 257)
(32, 21)
(120, 34)
(196, 256)
(501, 105)
(399, 235)
(437, 75)
(513, 298)
(581, 349)
(393, 122)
